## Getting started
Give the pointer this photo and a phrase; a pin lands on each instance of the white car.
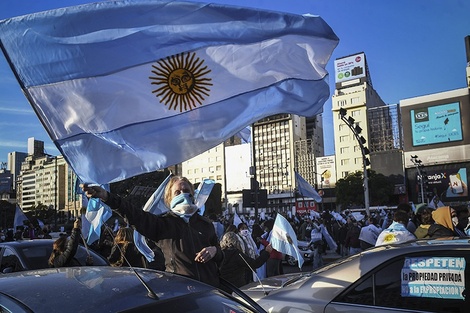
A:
(419, 276)
(307, 253)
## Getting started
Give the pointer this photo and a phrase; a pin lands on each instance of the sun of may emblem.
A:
(181, 81)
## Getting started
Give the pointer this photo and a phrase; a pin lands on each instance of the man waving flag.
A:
(129, 87)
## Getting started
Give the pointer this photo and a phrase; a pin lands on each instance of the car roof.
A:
(348, 269)
(20, 246)
(94, 289)
(28, 242)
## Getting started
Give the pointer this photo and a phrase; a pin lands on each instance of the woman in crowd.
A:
(64, 249)
(236, 262)
(124, 252)
(188, 240)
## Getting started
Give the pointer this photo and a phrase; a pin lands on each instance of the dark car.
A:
(34, 254)
(112, 289)
(419, 276)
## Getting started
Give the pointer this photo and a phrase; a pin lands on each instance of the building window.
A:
(355, 113)
(342, 103)
(345, 173)
(344, 138)
(344, 161)
(355, 100)
(344, 150)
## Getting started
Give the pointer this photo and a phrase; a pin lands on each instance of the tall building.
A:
(35, 147)
(437, 149)
(207, 165)
(14, 164)
(45, 180)
(42, 181)
(285, 143)
(355, 94)
(282, 143)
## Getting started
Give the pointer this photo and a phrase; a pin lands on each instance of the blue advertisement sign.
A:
(436, 124)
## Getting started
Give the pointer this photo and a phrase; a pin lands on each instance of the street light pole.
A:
(356, 129)
(418, 163)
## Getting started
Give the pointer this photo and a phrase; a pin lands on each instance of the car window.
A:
(37, 256)
(10, 262)
(82, 254)
(425, 282)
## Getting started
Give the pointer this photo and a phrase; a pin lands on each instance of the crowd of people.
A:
(220, 249)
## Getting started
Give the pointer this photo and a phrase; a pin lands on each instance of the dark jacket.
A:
(352, 237)
(439, 231)
(131, 254)
(178, 240)
(233, 267)
(66, 258)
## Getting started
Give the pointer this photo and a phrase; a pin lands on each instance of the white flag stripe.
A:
(81, 105)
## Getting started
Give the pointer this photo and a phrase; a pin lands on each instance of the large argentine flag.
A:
(128, 87)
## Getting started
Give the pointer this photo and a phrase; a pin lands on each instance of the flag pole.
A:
(254, 185)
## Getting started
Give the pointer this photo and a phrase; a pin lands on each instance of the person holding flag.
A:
(188, 240)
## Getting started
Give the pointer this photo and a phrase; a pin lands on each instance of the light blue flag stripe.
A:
(78, 37)
(284, 239)
(202, 194)
(155, 205)
(203, 191)
(84, 93)
(305, 189)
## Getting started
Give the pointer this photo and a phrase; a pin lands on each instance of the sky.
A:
(412, 48)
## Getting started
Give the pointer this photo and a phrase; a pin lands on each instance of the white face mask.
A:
(244, 232)
(455, 221)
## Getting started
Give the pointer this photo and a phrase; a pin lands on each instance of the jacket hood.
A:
(443, 217)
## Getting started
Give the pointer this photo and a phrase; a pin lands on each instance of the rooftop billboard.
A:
(350, 67)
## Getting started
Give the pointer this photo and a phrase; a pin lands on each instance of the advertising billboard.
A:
(436, 124)
(326, 172)
(449, 182)
(350, 67)
(436, 127)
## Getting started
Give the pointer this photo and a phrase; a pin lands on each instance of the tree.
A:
(350, 190)
(381, 189)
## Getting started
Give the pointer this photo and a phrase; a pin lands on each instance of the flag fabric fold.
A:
(155, 205)
(305, 189)
(127, 87)
(284, 239)
(20, 217)
(201, 194)
(97, 213)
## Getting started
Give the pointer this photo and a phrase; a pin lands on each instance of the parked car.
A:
(420, 276)
(113, 289)
(34, 254)
(306, 251)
